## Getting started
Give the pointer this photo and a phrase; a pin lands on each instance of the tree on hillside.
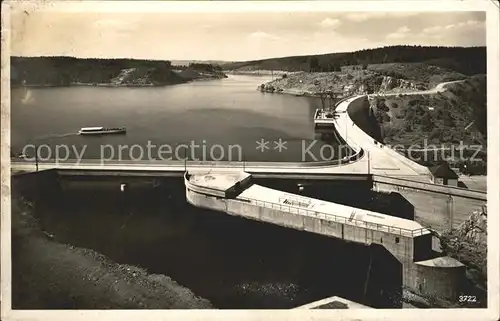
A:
(204, 67)
(332, 67)
(445, 116)
(427, 122)
(313, 64)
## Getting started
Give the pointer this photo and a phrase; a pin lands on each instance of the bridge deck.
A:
(360, 166)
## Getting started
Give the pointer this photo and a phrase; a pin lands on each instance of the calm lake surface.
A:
(228, 112)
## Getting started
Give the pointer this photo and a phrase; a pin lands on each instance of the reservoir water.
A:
(229, 113)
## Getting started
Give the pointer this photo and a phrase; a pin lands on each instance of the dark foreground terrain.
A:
(49, 274)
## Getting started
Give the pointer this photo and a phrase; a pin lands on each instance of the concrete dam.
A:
(423, 271)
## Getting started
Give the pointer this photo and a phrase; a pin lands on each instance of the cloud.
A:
(363, 16)
(402, 32)
(464, 26)
(330, 23)
(432, 30)
(263, 35)
(471, 24)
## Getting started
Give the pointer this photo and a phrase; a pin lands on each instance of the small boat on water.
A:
(101, 130)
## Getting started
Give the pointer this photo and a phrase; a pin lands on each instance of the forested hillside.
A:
(468, 61)
(63, 71)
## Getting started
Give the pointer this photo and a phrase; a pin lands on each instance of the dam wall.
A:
(410, 251)
(412, 248)
(437, 206)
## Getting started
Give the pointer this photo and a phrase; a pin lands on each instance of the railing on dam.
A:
(75, 163)
(339, 219)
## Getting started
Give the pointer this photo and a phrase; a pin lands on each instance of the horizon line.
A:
(248, 60)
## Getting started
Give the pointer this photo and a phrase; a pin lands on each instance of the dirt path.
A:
(438, 89)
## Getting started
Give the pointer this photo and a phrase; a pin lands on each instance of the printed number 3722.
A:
(467, 298)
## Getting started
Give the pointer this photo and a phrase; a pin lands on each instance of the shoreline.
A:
(261, 72)
(291, 91)
(111, 85)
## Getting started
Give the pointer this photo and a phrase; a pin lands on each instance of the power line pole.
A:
(36, 156)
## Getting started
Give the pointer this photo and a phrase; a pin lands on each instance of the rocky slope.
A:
(468, 244)
(349, 81)
(468, 241)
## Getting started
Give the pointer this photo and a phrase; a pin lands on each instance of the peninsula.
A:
(67, 71)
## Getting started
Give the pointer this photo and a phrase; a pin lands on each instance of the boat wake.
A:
(58, 135)
(27, 98)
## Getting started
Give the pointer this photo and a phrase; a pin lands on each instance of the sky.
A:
(234, 36)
